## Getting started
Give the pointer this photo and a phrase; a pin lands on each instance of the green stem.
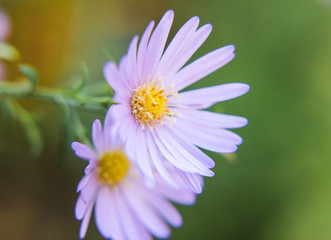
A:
(73, 100)
(17, 90)
(28, 89)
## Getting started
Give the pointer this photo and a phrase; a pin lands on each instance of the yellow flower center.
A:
(149, 104)
(113, 167)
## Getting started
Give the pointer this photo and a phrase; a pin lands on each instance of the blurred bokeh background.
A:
(277, 187)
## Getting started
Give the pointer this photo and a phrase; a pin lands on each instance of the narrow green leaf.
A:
(30, 128)
(80, 83)
(9, 52)
(6, 123)
(79, 129)
(30, 73)
(66, 136)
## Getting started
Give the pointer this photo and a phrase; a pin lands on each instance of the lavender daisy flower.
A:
(4, 26)
(154, 116)
(4, 32)
(124, 207)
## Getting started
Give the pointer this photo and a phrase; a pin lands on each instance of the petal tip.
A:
(178, 224)
(195, 19)
(211, 173)
(233, 149)
(96, 122)
(246, 87)
(169, 13)
(108, 65)
(244, 121)
(74, 145)
(196, 191)
(209, 26)
(232, 46)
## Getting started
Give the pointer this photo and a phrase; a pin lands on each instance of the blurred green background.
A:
(279, 185)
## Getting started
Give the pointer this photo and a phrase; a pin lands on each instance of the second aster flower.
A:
(162, 125)
(124, 207)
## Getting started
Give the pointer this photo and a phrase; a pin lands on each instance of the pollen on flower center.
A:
(112, 167)
(149, 104)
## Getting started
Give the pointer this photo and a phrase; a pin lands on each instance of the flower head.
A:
(4, 26)
(154, 115)
(4, 32)
(124, 207)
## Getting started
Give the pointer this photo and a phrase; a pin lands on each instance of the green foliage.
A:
(31, 74)
(9, 52)
(69, 100)
(26, 121)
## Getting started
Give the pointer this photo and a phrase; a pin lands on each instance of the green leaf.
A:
(23, 87)
(29, 126)
(6, 123)
(100, 88)
(80, 83)
(79, 129)
(85, 77)
(66, 130)
(9, 52)
(30, 73)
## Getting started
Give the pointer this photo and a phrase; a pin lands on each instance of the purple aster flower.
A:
(4, 26)
(4, 32)
(124, 207)
(154, 115)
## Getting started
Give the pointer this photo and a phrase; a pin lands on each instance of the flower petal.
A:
(180, 154)
(156, 44)
(132, 228)
(83, 151)
(220, 134)
(83, 182)
(142, 157)
(125, 125)
(85, 222)
(166, 210)
(157, 160)
(191, 180)
(162, 206)
(179, 195)
(196, 41)
(111, 214)
(120, 111)
(92, 164)
(102, 212)
(142, 48)
(90, 189)
(130, 146)
(184, 165)
(114, 79)
(108, 127)
(131, 71)
(212, 119)
(80, 208)
(203, 67)
(196, 152)
(146, 214)
(210, 95)
(127, 66)
(202, 139)
(119, 117)
(177, 46)
(97, 136)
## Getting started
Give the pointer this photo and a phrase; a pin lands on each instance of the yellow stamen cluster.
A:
(113, 167)
(149, 104)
